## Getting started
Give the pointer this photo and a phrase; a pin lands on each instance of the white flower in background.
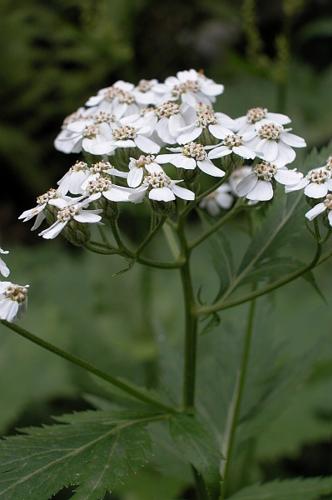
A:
(189, 157)
(118, 99)
(70, 211)
(159, 187)
(257, 186)
(144, 92)
(316, 183)
(13, 300)
(99, 185)
(137, 169)
(273, 143)
(236, 177)
(190, 86)
(203, 118)
(51, 197)
(231, 143)
(247, 122)
(133, 131)
(221, 198)
(321, 208)
(3, 267)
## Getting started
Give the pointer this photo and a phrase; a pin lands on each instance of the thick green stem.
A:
(126, 387)
(189, 375)
(235, 407)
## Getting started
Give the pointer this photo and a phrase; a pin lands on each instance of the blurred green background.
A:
(55, 55)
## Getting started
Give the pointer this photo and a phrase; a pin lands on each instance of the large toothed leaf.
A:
(293, 489)
(92, 451)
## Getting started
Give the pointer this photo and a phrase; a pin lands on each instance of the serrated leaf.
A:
(293, 489)
(196, 444)
(93, 451)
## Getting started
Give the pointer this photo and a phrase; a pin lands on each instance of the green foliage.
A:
(295, 489)
(93, 451)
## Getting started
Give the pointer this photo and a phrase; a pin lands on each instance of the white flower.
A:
(320, 208)
(159, 187)
(273, 143)
(203, 118)
(144, 92)
(69, 140)
(231, 143)
(70, 211)
(316, 183)
(171, 120)
(190, 86)
(236, 177)
(189, 157)
(221, 198)
(98, 185)
(118, 99)
(247, 122)
(133, 131)
(13, 300)
(51, 197)
(137, 168)
(257, 186)
(3, 267)
(72, 181)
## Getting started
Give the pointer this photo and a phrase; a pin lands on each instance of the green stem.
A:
(217, 225)
(149, 237)
(235, 407)
(128, 388)
(190, 347)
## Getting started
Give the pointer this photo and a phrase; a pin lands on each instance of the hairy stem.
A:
(126, 387)
(235, 407)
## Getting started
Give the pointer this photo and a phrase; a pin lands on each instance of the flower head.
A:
(13, 300)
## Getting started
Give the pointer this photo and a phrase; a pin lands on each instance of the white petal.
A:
(285, 154)
(218, 131)
(175, 123)
(8, 309)
(87, 217)
(4, 270)
(269, 149)
(183, 193)
(330, 217)
(209, 168)
(316, 210)
(117, 194)
(53, 231)
(211, 89)
(278, 118)
(135, 176)
(314, 190)
(146, 145)
(161, 194)
(219, 152)
(293, 140)
(190, 136)
(246, 185)
(263, 191)
(288, 177)
(244, 152)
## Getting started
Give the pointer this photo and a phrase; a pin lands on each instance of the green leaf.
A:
(93, 451)
(196, 445)
(293, 489)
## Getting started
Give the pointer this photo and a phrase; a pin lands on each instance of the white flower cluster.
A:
(13, 298)
(317, 184)
(152, 137)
